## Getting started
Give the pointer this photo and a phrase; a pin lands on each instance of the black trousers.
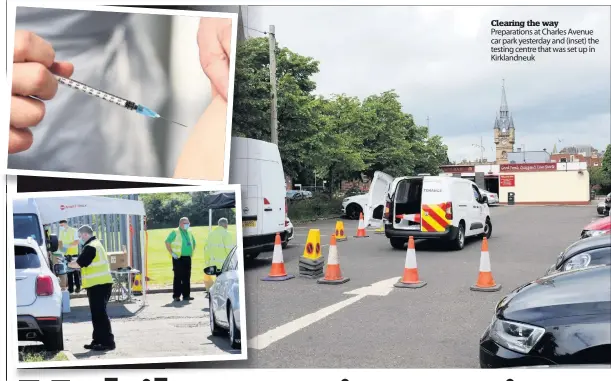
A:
(74, 280)
(182, 277)
(98, 300)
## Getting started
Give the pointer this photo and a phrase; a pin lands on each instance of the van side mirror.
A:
(60, 269)
(53, 244)
(483, 199)
(212, 271)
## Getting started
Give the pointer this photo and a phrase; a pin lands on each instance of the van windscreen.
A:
(25, 226)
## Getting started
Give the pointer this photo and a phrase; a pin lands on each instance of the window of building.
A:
(563, 159)
(572, 158)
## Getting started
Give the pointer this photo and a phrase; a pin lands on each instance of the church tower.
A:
(504, 131)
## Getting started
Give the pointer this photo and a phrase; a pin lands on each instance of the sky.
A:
(438, 61)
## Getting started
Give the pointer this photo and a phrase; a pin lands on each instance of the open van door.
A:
(376, 199)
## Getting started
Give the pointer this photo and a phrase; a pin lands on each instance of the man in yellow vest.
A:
(181, 246)
(97, 281)
(68, 243)
(219, 244)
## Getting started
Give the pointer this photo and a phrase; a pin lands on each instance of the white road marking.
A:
(264, 340)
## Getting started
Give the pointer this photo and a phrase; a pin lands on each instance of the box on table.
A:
(117, 259)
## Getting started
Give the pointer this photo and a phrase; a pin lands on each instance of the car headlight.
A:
(593, 233)
(577, 262)
(517, 337)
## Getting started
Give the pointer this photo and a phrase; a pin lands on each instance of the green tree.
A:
(606, 162)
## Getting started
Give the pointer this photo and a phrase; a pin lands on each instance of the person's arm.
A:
(76, 240)
(203, 155)
(168, 242)
(85, 259)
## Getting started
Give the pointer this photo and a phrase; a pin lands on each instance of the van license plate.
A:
(249, 224)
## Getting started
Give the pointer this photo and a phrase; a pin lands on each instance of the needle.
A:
(172, 121)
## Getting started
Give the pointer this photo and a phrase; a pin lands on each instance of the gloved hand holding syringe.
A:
(111, 98)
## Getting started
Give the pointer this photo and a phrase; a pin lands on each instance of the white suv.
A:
(39, 296)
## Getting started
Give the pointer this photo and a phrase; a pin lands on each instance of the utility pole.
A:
(481, 148)
(272, 81)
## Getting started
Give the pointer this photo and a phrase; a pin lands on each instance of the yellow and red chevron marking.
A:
(433, 218)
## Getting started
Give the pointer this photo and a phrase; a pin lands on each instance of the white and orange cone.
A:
(361, 232)
(485, 281)
(333, 275)
(410, 272)
(278, 272)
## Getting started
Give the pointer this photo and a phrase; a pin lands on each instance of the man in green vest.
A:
(68, 243)
(181, 246)
(97, 280)
(219, 244)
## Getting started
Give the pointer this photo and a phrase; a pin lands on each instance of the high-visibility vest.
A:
(67, 238)
(98, 272)
(218, 246)
(176, 245)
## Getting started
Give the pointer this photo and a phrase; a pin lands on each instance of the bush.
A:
(319, 206)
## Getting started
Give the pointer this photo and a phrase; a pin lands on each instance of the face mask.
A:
(82, 241)
(64, 227)
(186, 226)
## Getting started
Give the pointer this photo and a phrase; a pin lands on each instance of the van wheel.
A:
(459, 242)
(398, 243)
(487, 228)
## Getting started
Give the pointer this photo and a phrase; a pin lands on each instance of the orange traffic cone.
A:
(360, 232)
(333, 275)
(485, 281)
(340, 235)
(278, 272)
(410, 272)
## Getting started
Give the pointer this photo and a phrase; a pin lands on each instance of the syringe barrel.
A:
(97, 93)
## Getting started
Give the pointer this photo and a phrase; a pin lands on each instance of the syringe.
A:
(111, 98)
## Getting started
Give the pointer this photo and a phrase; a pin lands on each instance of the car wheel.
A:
(398, 243)
(353, 211)
(459, 242)
(214, 328)
(235, 338)
(487, 228)
(53, 341)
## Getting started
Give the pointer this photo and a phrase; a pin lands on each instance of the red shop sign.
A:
(528, 167)
(458, 169)
(507, 180)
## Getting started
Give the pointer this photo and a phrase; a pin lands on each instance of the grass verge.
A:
(26, 356)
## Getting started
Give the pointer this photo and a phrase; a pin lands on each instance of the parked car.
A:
(294, 195)
(597, 227)
(39, 296)
(607, 203)
(224, 300)
(601, 208)
(290, 233)
(428, 207)
(556, 320)
(586, 252)
(493, 198)
(353, 206)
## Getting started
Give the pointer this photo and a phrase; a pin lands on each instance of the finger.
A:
(19, 140)
(30, 47)
(33, 79)
(26, 112)
(213, 59)
(64, 69)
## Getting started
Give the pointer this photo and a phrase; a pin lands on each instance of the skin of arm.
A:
(203, 155)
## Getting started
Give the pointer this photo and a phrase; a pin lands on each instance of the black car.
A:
(560, 319)
(607, 204)
(586, 252)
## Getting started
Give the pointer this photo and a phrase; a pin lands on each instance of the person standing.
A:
(97, 280)
(219, 244)
(181, 246)
(68, 238)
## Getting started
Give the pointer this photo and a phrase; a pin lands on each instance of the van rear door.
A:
(436, 206)
(273, 195)
(376, 199)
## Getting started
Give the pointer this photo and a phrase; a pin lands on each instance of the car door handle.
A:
(268, 209)
(463, 206)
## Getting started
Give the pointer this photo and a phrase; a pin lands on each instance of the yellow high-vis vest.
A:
(98, 272)
(67, 237)
(176, 245)
(218, 246)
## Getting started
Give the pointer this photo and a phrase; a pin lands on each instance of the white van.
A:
(428, 207)
(27, 224)
(257, 167)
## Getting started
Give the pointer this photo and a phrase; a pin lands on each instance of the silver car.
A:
(493, 198)
(224, 300)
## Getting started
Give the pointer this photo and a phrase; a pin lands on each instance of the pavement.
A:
(367, 323)
(162, 329)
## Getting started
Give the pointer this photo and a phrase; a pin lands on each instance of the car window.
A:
(233, 264)
(26, 226)
(227, 262)
(26, 258)
(476, 193)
